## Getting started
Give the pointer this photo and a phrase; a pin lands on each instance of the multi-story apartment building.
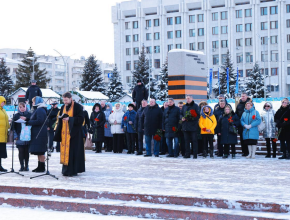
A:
(252, 30)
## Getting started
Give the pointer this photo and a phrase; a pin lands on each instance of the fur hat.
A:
(131, 105)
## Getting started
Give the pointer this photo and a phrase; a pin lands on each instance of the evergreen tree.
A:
(115, 88)
(142, 70)
(162, 85)
(92, 76)
(25, 70)
(153, 88)
(6, 83)
(255, 83)
(223, 78)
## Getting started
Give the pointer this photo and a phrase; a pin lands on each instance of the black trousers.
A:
(138, 104)
(140, 142)
(244, 146)
(23, 155)
(227, 149)
(131, 137)
(181, 143)
(108, 144)
(220, 146)
(98, 146)
(118, 143)
(285, 146)
(207, 139)
(163, 145)
(200, 146)
(190, 137)
(274, 146)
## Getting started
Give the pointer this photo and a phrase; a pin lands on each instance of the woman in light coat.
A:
(269, 133)
(108, 133)
(115, 119)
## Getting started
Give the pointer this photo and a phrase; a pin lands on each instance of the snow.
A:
(187, 51)
(46, 93)
(93, 95)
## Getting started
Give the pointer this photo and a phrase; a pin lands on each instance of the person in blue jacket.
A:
(128, 125)
(250, 121)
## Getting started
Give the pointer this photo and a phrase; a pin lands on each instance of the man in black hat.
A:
(53, 112)
(139, 93)
(32, 91)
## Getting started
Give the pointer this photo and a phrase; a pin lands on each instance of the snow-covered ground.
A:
(260, 179)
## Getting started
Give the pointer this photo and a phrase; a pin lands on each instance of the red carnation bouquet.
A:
(158, 135)
(191, 114)
(204, 129)
(279, 132)
(96, 120)
(230, 119)
(106, 125)
(175, 129)
(125, 118)
(254, 117)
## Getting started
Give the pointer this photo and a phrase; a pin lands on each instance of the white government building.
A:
(252, 30)
(55, 67)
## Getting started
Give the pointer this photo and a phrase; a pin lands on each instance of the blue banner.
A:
(237, 82)
(210, 82)
(228, 82)
(219, 81)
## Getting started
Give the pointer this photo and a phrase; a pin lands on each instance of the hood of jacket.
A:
(120, 108)
(203, 112)
(95, 105)
(110, 109)
(38, 100)
(2, 99)
(26, 110)
(271, 106)
(202, 103)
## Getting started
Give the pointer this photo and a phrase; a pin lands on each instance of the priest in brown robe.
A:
(69, 133)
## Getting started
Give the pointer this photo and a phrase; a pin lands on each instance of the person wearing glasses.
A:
(270, 131)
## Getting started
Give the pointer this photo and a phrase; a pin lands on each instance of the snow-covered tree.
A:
(153, 88)
(255, 83)
(6, 83)
(115, 89)
(25, 70)
(162, 84)
(92, 76)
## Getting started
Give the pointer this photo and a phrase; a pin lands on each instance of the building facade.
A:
(252, 30)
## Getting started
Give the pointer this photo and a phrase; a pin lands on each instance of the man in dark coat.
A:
(163, 145)
(151, 123)
(32, 92)
(218, 112)
(239, 111)
(69, 133)
(53, 112)
(139, 93)
(180, 132)
(190, 126)
(138, 127)
(170, 122)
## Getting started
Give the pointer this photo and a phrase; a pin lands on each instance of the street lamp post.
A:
(33, 63)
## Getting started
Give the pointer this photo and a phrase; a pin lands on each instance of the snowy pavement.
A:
(260, 180)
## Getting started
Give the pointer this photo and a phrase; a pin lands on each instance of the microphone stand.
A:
(47, 154)
(11, 130)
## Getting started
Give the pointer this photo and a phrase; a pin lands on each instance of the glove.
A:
(249, 126)
(246, 126)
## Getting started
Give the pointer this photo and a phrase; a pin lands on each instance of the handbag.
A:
(88, 142)
(25, 134)
(262, 125)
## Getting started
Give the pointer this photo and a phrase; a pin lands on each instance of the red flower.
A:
(230, 119)
(254, 117)
(204, 129)
(96, 119)
(275, 140)
(157, 138)
(112, 112)
(285, 119)
(125, 118)
(106, 125)
(193, 113)
(174, 129)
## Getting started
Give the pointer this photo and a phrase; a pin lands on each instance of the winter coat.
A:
(139, 93)
(191, 124)
(117, 115)
(52, 117)
(17, 126)
(218, 112)
(4, 123)
(131, 116)
(32, 91)
(37, 120)
(107, 124)
(170, 119)
(97, 128)
(151, 120)
(268, 118)
(280, 116)
(207, 120)
(224, 126)
(137, 123)
(247, 119)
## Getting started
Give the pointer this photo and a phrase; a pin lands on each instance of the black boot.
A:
(225, 156)
(233, 156)
(211, 154)
(37, 168)
(41, 167)
(21, 166)
(204, 154)
(1, 168)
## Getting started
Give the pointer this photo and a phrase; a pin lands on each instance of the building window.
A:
(169, 34)
(192, 46)
(224, 29)
(288, 70)
(191, 18)
(135, 24)
(169, 47)
(128, 38)
(266, 71)
(128, 79)
(156, 49)
(274, 39)
(200, 31)
(288, 38)
(224, 58)
(148, 36)
(239, 13)
(264, 11)
(215, 31)
(264, 40)
(215, 44)
(248, 27)
(241, 73)
(178, 20)
(248, 12)
(274, 71)
(156, 22)
(264, 25)
(149, 50)
(224, 43)
(136, 37)
(274, 10)
(128, 65)
(128, 51)
(136, 50)
(287, 23)
(191, 32)
(274, 55)
(178, 46)
(249, 57)
(169, 21)
(200, 45)
(200, 18)
(157, 63)
(148, 23)
(288, 54)
(156, 36)
(224, 15)
(127, 25)
(264, 56)
(274, 24)
(215, 59)
(215, 74)
(287, 8)
(239, 42)
(248, 42)
(178, 34)
(248, 72)
(239, 28)
(239, 57)
(135, 64)
(215, 16)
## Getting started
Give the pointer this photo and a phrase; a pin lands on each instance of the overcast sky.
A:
(80, 27)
